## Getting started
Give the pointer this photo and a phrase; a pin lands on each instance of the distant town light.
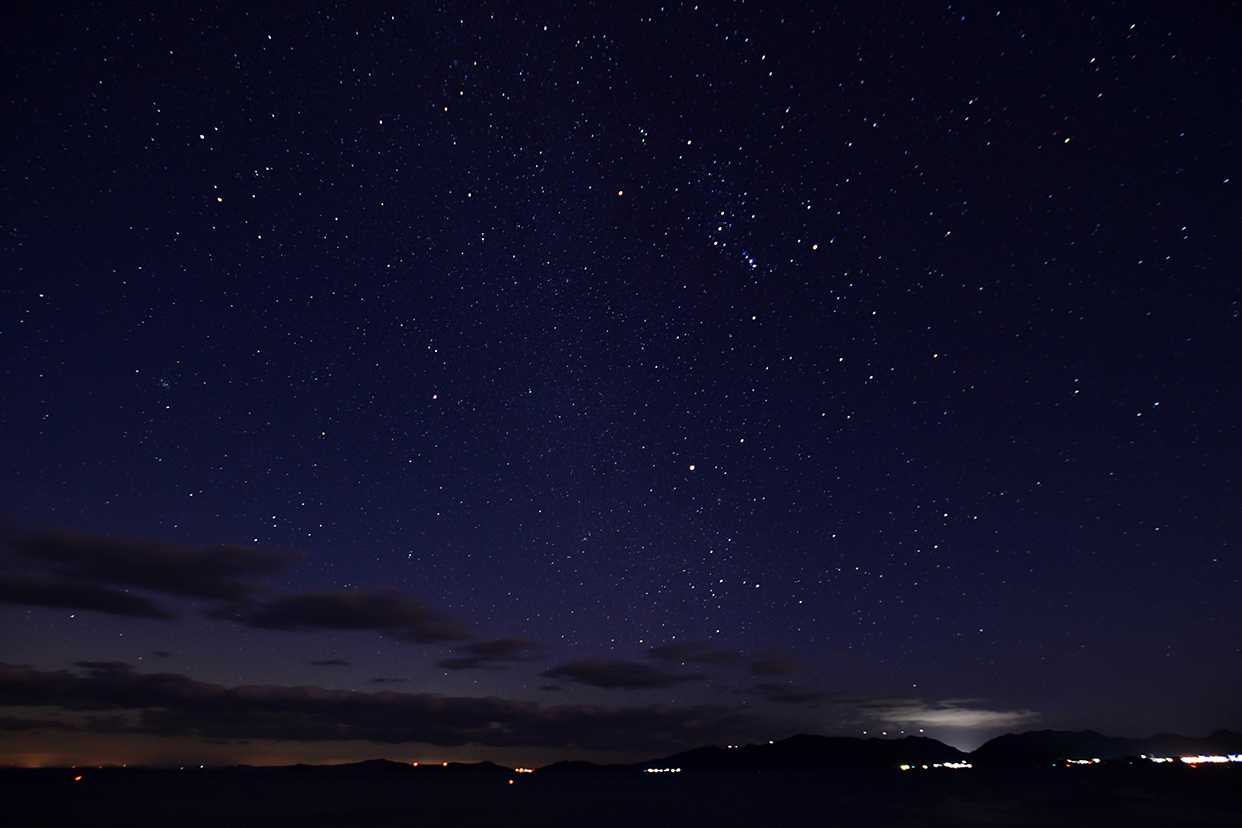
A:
(1212, 760)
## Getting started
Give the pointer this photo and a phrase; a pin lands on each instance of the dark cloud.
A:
(224, 572)
(624, 675)
(169, 704)
(696, 652)
(382, 680)
(104, 667)
(93, 572)
(65, 593)
(389, 611)
(773, 663)
(493, 654)
(330, 662)
(161, 654)
(798, 694)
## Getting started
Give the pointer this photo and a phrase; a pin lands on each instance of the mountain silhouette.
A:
(1038, 747)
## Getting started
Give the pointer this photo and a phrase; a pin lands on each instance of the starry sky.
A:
(534, 381)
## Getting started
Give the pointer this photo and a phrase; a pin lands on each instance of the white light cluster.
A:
(1082, 761)
(662, 770)
(1212, 760)
(953, 765)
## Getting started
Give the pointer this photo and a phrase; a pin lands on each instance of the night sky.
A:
(538, 381)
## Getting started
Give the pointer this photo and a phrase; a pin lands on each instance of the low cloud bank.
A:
(112, 698)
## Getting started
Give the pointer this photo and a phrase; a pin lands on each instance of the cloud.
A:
(112, 697)
(493, 654)
(104, 667)
(225, 572)
(616, 674)
(773, 663)
(769, 663)
(382, 680)
(894, 710)
(63, 593)
(697, 652)
(330, 662)
(389, 611)
(808, 696)
(953, 714)
(75, 570)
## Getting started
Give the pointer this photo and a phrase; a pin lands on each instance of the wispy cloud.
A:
(227, 572)
(773, 663)
(613, 675)
(696, 652)
(493, 655)
(389, 611)
(768, 663)
(63, 593)
(805, 696)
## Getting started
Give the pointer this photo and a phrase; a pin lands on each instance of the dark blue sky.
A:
(882, 358)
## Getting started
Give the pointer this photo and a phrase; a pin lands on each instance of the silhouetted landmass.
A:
(805, 752)
(801, 752)
(1041, 747)
(816, 780)
(377, 766)
(578, 766)
(383, 794)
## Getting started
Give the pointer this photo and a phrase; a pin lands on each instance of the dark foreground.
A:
(1128, 795)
